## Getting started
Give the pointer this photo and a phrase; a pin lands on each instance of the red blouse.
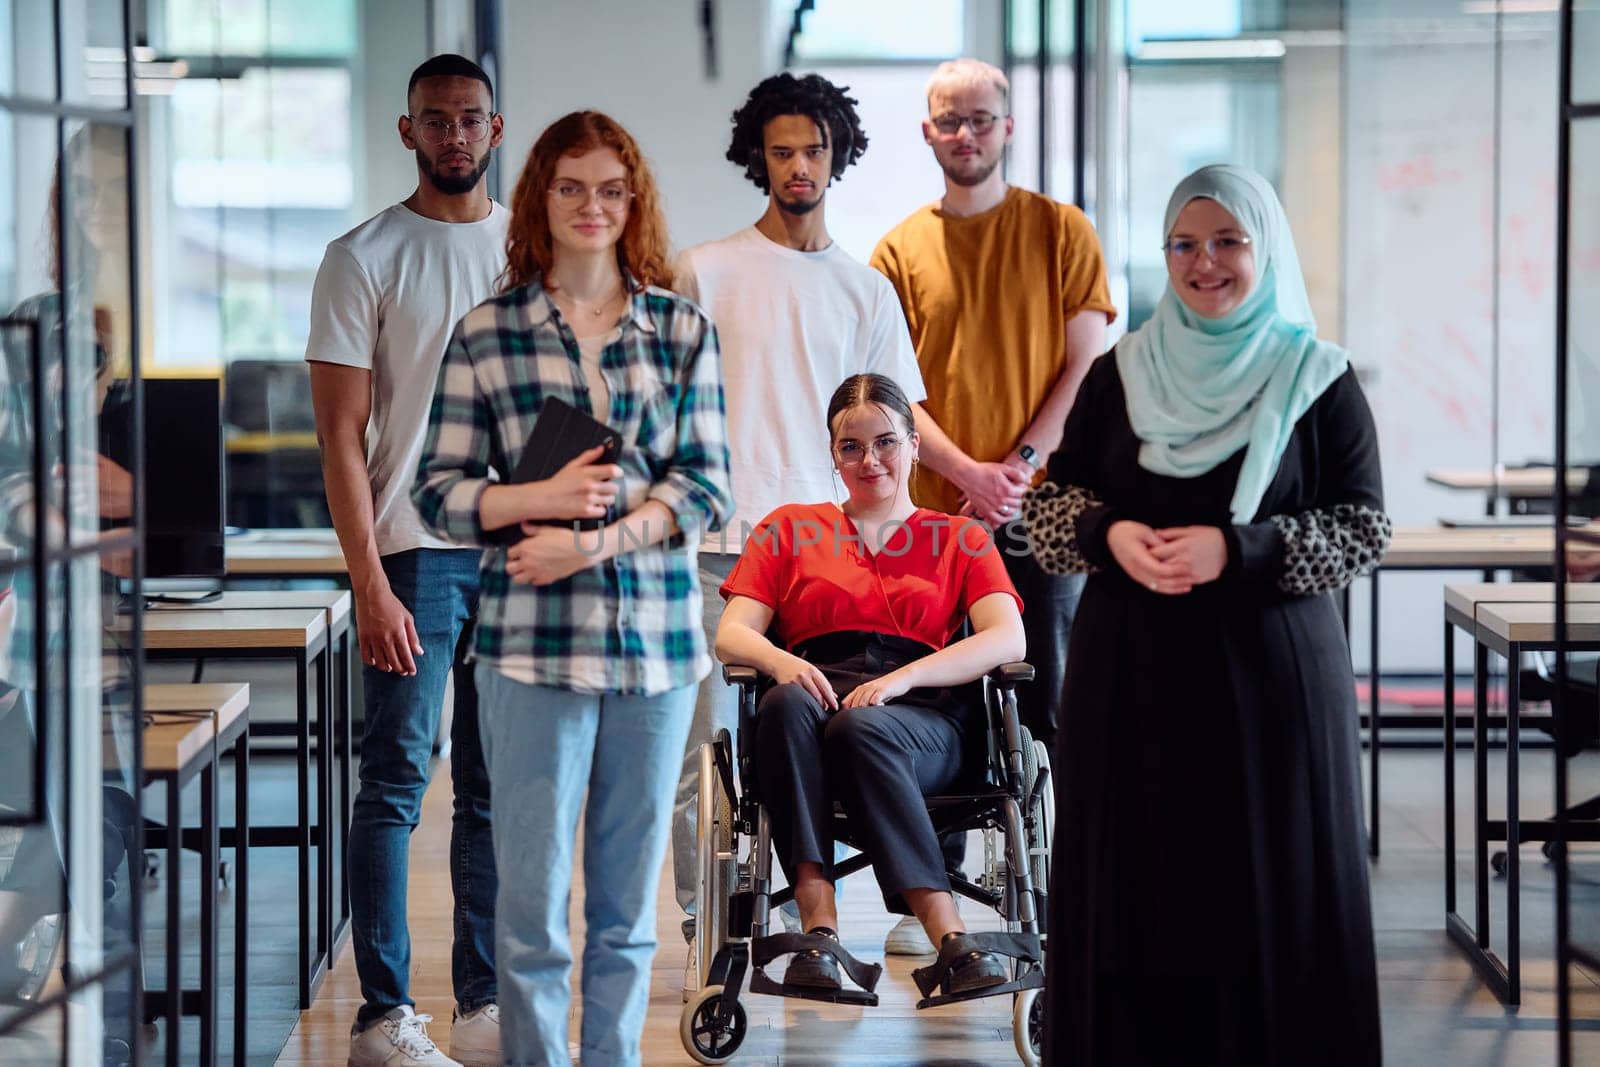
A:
(808, 564)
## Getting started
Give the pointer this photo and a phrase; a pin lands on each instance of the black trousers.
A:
(1049, 602)
(877, 762)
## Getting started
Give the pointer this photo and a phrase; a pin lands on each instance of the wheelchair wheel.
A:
(712, 1031)
(1027, 1027)
(1045, 823)
(1036, 757)
(713, 840)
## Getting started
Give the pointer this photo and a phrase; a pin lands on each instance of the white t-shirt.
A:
(791, 326)
(387, 297)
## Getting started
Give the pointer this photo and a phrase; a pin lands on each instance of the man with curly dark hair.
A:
(796, 315)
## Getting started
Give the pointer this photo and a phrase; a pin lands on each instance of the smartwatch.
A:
(1029, 456)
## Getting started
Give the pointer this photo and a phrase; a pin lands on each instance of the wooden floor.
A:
(1435, 1010)
(780, 1031)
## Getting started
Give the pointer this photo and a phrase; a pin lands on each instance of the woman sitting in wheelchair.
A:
(864, 598)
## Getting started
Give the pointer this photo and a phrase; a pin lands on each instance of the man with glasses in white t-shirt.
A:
(795, 317)
(387, 297)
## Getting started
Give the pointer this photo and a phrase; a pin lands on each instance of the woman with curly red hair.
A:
(589, 648)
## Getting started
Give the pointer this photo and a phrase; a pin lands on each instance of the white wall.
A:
(643, 65)
(1420, 272)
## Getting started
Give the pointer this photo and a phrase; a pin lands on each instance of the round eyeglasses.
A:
(574, 195)
(438, 131)
(1218, 248)
(854, 453)
(981, 122)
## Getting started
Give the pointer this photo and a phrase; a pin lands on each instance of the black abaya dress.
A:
(1209, 878)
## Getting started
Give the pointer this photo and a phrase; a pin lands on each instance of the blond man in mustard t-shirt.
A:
(1005, 294)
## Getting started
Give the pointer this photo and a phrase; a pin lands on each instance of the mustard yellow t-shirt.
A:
(987, 298)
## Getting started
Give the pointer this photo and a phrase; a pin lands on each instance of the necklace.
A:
(598, 308)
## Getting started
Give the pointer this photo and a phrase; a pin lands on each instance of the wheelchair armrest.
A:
(1011, 674)
(740, 675)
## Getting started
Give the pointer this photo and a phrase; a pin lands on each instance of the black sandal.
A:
(974, 970)
(814, 968)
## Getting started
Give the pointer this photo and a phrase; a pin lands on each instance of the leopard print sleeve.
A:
(1050, 513)
(1328, 549)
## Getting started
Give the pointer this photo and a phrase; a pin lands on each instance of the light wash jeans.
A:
(554, 754)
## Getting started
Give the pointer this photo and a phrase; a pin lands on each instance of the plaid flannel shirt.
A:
(630, 624)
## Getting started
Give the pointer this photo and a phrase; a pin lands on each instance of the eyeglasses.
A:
(438, 131)
(574, 195)
(981, 122)
(1218, 248)
(854, 453)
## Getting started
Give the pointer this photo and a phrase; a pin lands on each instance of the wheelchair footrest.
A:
(1032, 980)
(1023, 947)
(760, 983)
(763, 950)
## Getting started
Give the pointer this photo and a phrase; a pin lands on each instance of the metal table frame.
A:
(310, 658)
(1503, 976)
(175, 1001)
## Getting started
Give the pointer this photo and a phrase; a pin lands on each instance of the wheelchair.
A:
(1008, 798)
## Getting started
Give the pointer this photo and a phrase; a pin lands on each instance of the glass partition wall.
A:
(70, 503)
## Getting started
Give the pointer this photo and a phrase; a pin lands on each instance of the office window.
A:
(885, 53)
(260, 175)
(255, 173)
(1197, 93)
(841, 30)
(69, 832)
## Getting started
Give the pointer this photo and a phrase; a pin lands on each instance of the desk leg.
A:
(1372, 717)
(1449, 769)
(1513, 830)
(1480, 789)
(302, 755)
(241, 896)
(325, 833)
(208, 911)
(174, 993)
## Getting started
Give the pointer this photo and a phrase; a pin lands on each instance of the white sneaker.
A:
(908, 938)
(475, 1037)
(399, 1039)
(691, 975)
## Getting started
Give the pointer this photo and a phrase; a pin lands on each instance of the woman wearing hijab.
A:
(1218, 478)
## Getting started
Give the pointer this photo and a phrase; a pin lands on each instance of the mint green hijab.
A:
(1200, 389)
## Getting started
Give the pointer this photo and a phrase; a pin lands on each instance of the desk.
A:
(1441, 548)
(311, 553)
(1514, 482)
(299, 635)
(187, 728)
(259, 442)
(341, 636)
(1522, 622)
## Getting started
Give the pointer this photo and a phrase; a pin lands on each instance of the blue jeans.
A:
(554, 754)
(439, 586)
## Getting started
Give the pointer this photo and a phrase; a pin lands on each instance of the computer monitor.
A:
(184, 490)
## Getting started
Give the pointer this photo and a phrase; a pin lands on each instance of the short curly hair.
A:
(810, 95)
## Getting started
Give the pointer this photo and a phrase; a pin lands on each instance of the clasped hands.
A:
(810, 678)
(993, 492)
(1170, 561)
(583, 489)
